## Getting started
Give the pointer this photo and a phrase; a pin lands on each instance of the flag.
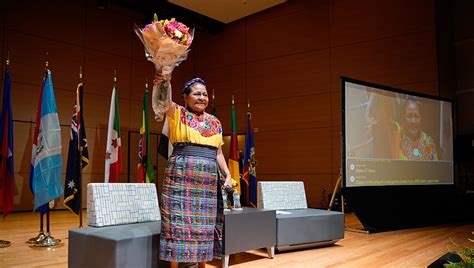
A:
(6, 150)
(78, 156)
(165, 148)
(42, 209)
(145, 166)
(233, 162)
(113, 154)
(47, 165)
(249, 173)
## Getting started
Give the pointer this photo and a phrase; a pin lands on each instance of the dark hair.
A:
(187, 86)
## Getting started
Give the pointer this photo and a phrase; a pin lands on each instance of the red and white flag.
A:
(113, 153)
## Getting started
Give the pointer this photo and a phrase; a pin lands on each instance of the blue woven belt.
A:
(191, 149)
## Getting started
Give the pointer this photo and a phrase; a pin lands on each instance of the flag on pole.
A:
(145, 165)
(233, 161)
(249, 172)
(78, 156)
(47, 165)
(6, 150)
(113, 153)
(165, 148)
(42, 209)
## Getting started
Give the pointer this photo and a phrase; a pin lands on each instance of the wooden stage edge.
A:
(417, 247)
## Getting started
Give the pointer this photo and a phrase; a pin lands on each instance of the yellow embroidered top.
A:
(185, 126)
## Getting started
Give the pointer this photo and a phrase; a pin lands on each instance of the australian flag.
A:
(78, 156)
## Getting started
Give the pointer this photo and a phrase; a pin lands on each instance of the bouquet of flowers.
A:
(166, 45)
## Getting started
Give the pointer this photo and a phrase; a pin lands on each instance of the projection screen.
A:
(394, 137)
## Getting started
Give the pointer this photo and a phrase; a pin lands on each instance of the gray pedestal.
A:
(308, 227)
(130, 245)
(250, 228)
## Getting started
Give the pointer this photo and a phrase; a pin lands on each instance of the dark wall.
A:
(286, 61)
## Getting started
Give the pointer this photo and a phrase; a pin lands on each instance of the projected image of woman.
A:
(414, 143)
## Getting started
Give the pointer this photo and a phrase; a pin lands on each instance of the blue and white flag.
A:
(47, 165)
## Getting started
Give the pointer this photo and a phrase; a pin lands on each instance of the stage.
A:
(416, 247)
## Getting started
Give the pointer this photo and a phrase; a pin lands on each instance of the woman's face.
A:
(412, 119)
(197, 100)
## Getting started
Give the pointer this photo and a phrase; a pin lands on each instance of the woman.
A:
(189, 200)
(414, 143)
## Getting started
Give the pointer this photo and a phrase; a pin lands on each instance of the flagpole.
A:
(41, 236)
(46, 65)
(79, 142)
(144, 163)
(48, 239)
(5, 243)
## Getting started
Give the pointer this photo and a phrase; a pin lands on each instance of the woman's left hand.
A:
(228, 181)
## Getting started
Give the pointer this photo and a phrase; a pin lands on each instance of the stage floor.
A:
(416, 247)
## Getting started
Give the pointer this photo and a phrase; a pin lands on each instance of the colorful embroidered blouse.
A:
(421, 149)
(186, 127)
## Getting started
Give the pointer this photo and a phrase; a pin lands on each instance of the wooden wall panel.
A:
(294, 151)
(23, 199)
(22, 144)
(465, 113)
(286, 60)
(305, 112)
(24, 100)
(229, 43)
(136, 109)
(359, 21)
(99, 73)
(138, 51)
(181, 74)
(28, 61)
(336, 149)
(299, 32)
(109, 30)
(96, 138)
(317, 186)
(463, 20)
(96, 109)
(336, 112)
(403, 59)
(225, 81)
(140, 71)
(465, 65)
(293, 75)
(55, 20)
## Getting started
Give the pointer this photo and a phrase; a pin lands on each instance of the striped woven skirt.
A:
(189, 206)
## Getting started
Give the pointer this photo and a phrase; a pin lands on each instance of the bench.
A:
(298, 226)
(124, 227)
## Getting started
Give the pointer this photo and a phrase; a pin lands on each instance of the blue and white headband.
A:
(191, 82)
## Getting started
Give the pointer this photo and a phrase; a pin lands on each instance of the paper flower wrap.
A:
(166, 44)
